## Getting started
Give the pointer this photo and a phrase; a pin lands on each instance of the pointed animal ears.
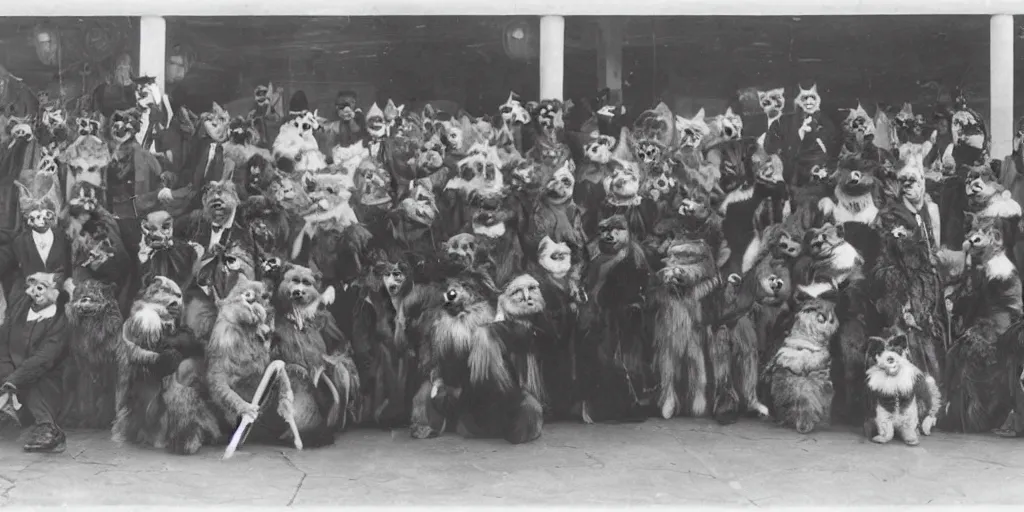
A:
(907, 109)
(729, 112)
(512, 97)
(217, 109)
(374, 111)
(391, 112)
(699, 116)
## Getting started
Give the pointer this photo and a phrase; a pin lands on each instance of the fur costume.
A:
(854, 205)
(160, 398)
(907, 291)
(988, 199)
(240, 352)
(498, 235)
(986, 304)
(381, 327)
(161, 253)
(135, 177)
(558, 353)
(680, 328)
(798, 375)
(611, 345)
(622, 197)
(773, 103)
(227, 253)
(557, 217)
(90, 378)
(308, 338)
(747, 307)
(749, 209)
(472, 374)
(901, 398)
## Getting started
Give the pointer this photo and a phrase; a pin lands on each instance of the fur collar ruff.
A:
(849, 208)
(901, 385)
(624, 201)
(1000, 268)
(736, 196)
(1001, 207)
(495, 231)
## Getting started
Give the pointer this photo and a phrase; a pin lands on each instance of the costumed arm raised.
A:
(45, 356)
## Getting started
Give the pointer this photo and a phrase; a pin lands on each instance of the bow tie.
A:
(218, 227)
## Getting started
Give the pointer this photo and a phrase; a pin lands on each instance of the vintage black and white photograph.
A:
(410, 254)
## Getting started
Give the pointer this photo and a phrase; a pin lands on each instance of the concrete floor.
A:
(681, 461)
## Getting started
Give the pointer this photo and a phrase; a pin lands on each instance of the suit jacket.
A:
(28, 352)
(20, 258)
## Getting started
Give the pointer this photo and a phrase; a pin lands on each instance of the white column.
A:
(552, 57)
(1001, 85)
(153, 48)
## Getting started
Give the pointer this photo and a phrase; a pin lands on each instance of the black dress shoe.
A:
(47, 438)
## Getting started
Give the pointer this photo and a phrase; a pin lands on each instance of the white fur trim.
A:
(1000, 267)
(736, 196)
(1001, 206)
(495, 231)
(826, 205)
(900, 385)
(816, 289)
(327, 297)
(845, 256)
(750, 255)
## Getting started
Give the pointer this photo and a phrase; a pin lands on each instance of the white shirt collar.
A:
(42, 314)
(230, 222)
(44, 242)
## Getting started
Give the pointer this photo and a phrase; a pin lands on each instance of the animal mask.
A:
(773, 102)
(40, 212)
(859, 123)
(158, 230)
(124, 124)
(216, 123)
(241, 131)
(376, 125)
(912, 180)
(599, 149)
(20, 128)
(300, 287)
(656, 125)
(393, 116)
(420, 206)
(888, 355)
(692, 131)
(808, 100)
(522, 297)
(87, 160)
(479, 173)
(147, 93)
(624, 182)
(512, 111)
(727, 126)
(393, 276)
(461, 250)
(560, 186)
(88, 126)
(613, 234)
(43, 288)
(549, 115)
(431, 154)
(54, 118)
(374, 184)
(91, 298)
(554, 257)
(345, 105)
(220, 200)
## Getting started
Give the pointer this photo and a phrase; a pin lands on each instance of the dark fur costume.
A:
(904, 280)
(611, 347)
(90, 378)
(557, 352)
(987, 305)
(679, 327)
(160, 398)
(746, 313)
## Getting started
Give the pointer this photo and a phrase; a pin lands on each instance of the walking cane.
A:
(258, 399)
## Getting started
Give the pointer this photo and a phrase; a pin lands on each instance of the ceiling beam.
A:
(519, 7)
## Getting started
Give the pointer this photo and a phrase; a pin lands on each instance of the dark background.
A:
(685, 61)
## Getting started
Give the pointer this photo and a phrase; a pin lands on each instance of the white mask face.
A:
(555, 257)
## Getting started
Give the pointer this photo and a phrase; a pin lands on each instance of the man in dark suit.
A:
(33, 346)
(41, 248)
